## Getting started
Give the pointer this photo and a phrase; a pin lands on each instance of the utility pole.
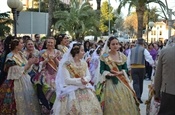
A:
(147, 32)
(109, 24)
(170, 23)
(169, 12)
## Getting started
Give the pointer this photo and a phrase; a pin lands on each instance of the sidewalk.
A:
(144, 97)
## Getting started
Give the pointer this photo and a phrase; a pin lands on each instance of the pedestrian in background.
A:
(136, 63)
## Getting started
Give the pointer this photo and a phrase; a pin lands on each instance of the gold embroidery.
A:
(20, 62)
(76, 71)
(51, 61)
(62, 48)
(121, 78)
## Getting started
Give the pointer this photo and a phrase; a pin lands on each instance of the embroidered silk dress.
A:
(76, 99)
(117, 99)
(62, 48)
(17, 96)
(35, 67)
(44, 81)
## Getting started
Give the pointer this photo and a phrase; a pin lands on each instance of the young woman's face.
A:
(64, 41)
(81, 53)
(50, 44)
(30, 45)
(114, 45)
(87, 44)
(20, 45)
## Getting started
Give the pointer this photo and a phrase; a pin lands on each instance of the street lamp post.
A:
(15, 5)
(157, 34)
(19, 9)
(149, 27)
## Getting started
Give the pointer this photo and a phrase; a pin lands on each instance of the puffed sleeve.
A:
(103, 71)
(15, 72)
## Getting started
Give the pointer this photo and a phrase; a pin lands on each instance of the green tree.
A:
(118, 25)
(141, 6)
(106, 15)
(43, 6)
(150, 15)
(5, 21)
(49, 6)
(131, 21)
(81, 20)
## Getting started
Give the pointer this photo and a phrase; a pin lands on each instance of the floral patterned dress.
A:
(116, 98)
(17, 94)
(44, 80)
(81, 100)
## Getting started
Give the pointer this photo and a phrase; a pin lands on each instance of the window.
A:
(160, 33)
(154, 32)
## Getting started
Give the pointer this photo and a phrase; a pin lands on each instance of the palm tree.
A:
(98, 4)
(79, 21)
(5, 21)
(50, 18)
(141, 7)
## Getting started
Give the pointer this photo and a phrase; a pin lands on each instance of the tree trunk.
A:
(140, 14)
(98, 4)
(50, 13)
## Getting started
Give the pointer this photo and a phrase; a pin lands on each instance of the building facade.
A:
(159, 32)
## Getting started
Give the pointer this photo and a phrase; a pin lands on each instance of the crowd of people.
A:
(57, 76)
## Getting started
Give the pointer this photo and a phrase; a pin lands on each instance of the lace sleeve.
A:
(15, 72)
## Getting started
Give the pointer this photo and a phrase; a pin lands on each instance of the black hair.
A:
(59, 38)
(44, 45)
(75, 49)
(36, 35)
(99, 50)
(91, 51)
(110, 39)
(100, 41)
(7, 43)
(151, 44)
(140, 41)
(85, 48)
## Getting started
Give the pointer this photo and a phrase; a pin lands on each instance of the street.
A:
(144, 97)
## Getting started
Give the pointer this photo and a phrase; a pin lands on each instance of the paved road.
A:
(144, 97)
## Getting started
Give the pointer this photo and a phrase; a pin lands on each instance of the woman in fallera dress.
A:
(94, 66)
(17, 96)
(61, 42)
(30, 49)
(117, 97)
(44, 79)
(74, 92)
(29, 52)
